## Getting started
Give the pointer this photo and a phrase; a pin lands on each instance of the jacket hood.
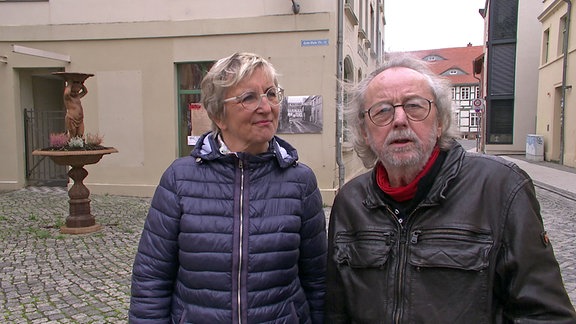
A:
(208, 149)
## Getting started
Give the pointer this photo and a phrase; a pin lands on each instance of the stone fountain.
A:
(80, 219)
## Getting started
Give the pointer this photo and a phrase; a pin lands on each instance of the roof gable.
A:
(456, 63)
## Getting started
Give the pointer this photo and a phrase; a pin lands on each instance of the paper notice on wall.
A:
(199, 119)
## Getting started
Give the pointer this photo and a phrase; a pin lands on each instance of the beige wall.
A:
(61, 12)
(550, 86)
(132, 53)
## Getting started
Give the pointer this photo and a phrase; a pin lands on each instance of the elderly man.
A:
(434, 234)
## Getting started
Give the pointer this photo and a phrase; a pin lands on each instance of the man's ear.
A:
(364, 134)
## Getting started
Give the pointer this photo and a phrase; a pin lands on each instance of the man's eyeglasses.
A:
(251, 100)
(382, 113)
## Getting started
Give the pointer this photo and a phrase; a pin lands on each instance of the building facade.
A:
(456, 64)
(509, 70)
(557, 75)
(148, 59)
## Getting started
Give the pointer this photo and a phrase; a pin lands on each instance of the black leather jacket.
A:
(474, 250)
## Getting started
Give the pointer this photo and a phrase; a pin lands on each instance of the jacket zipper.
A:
(364, 235)
(402, 256)
(401, 275)
(241, 235)
(403, 253)
(465, 235)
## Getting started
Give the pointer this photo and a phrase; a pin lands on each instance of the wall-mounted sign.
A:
(314, 42)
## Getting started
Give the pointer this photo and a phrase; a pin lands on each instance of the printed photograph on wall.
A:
(301, 114)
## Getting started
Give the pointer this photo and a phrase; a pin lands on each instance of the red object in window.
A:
(194, 106)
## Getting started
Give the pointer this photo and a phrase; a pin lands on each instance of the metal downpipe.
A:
(339, 95)
(564, 73)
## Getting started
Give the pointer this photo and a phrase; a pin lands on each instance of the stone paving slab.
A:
(48, 277)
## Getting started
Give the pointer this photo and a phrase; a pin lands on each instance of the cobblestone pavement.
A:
(559, 215)
(47, 277)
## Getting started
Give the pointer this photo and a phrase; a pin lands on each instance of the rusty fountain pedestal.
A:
(80, 220)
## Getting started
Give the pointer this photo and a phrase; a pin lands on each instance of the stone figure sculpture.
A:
(74, 119)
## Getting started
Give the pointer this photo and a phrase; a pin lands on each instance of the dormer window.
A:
(453, 71)
(432, 58)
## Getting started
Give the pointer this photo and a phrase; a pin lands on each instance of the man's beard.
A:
(412, 156)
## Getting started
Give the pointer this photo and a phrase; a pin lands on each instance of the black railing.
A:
(38, 125)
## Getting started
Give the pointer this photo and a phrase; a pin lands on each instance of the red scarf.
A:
(407, 192)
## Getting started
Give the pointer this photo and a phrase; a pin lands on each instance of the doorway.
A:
(43, 109)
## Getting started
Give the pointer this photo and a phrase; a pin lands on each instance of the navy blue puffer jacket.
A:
(232, 238)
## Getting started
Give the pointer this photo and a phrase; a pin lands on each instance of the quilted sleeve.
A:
(312, 262)
(156, 263)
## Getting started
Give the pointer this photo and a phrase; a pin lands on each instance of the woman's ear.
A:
(219, 122)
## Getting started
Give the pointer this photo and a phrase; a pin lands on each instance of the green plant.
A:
(59, 223)
(43, 234)
(40, 233)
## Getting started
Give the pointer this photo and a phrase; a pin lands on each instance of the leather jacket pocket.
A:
(448, 269)
(453, 248)
(362, 249)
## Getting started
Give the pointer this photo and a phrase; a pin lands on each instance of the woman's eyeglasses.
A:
(251, 100)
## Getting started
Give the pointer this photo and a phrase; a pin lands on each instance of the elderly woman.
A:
(235, 232)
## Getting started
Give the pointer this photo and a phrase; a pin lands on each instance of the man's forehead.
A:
(399, 80)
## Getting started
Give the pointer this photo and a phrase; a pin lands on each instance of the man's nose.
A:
(400, 116)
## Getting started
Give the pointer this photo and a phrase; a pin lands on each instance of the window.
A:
(545, 46)
(504, 19)
(500, 122)
(477, 92)
(453, 71)
(433, 57)
(465, 93)
(372, 31)
(361, 15)
(562, 32)
(189, 77)
(453, 91)
(502, 69)
(474, 119)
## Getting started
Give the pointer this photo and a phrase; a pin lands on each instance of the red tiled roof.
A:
(456, 57)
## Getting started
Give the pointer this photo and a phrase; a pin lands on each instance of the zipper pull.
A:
(415, 235)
